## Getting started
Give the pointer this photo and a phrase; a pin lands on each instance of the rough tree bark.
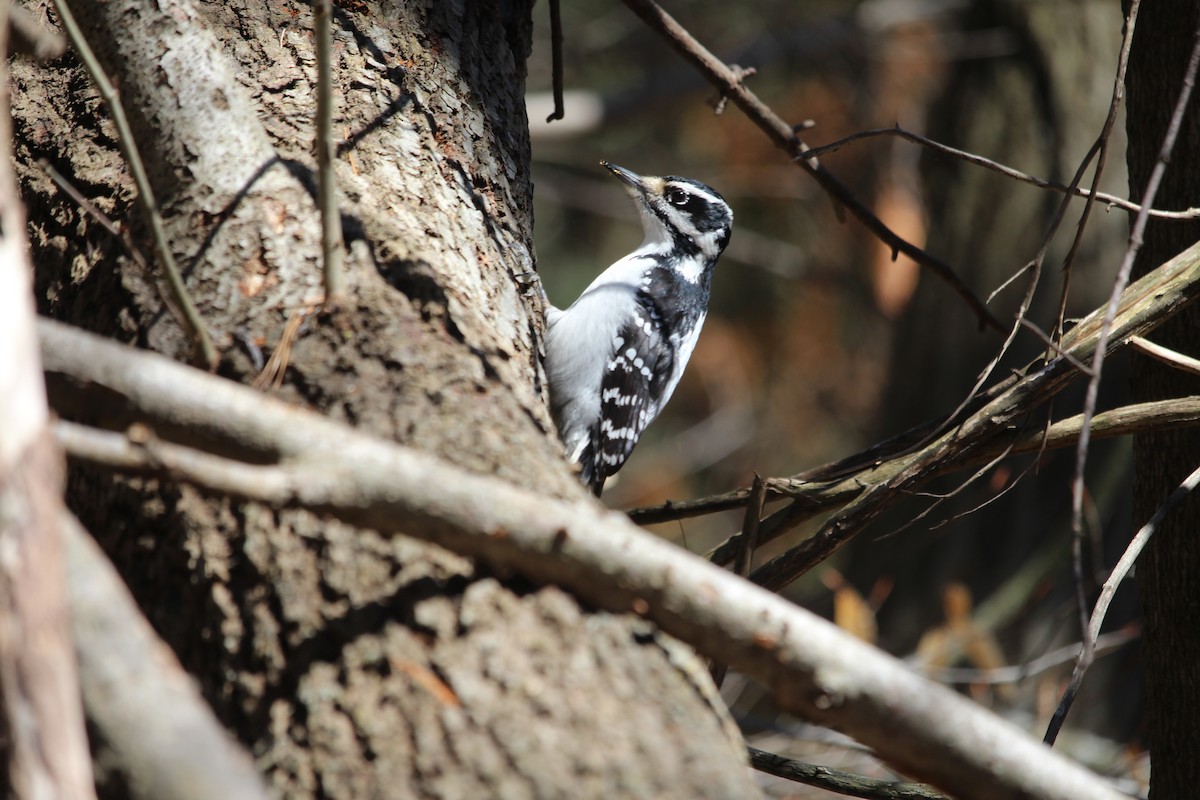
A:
(1168, 570)
(352, 665)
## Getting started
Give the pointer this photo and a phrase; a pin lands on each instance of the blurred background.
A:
(818, 344)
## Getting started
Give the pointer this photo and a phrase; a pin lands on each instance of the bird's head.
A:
(678, 213)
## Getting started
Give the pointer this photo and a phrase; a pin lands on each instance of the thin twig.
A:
(747, 544)
(1093, 387)
(1107, 643)
(839, 782)
(556, 58)
(1077, 487)
(91, 209)
(1053, 346)
(729, 84)
(993, 422)
(1110, 200)
(1091, 635)
(191, 317)
(1114, 106)
(331, 220)
(750, 525)
(272, 374)
(1166, 355)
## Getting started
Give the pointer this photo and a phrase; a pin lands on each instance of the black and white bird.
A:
(615, 356)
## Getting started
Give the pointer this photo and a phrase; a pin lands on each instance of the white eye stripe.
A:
(695, 191)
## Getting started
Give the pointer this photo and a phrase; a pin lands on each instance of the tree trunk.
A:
(1168, 569)
(353, 665)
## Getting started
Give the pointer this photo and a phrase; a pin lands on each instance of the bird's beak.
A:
(631, 178)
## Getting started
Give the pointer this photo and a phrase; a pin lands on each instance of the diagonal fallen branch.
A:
(814, 669)
(814, 497)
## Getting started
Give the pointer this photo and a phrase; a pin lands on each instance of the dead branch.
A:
(818, 496)
(1109, 200)
(837, 781)
(1091, 634)
(815, 670)
(822, 495)
(1093, 387)
(1142, 307)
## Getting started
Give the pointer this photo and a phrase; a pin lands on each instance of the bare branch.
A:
(1104, 644)
(1166, 355)
(1142, 307)
(821, 495)
(747, 543)
(729, 83)
(1110, 200)
(816, 670)
(839, 782)
(1091, 637)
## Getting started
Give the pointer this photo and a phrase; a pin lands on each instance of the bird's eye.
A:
(677, 197)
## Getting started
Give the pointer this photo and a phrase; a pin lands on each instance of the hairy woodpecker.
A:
(615, 356)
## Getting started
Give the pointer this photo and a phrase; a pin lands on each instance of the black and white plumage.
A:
(615, 356)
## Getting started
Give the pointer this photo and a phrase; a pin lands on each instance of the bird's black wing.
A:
(634, 382)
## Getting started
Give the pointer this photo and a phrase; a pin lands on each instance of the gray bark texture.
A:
(1168, 569)
(352, 665)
